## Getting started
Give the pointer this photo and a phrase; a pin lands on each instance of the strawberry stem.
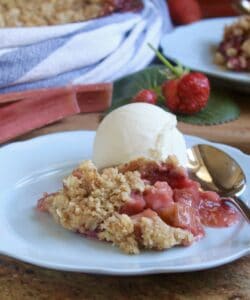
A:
(174, 70)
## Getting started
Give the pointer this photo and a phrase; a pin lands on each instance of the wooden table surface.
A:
(23, 281)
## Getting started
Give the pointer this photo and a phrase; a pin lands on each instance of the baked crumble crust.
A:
(16, 13)
(122, 230)
(89, 197)
(143, 164)
(90, 201)
(119, 229)
(239, 27)
(156, 234)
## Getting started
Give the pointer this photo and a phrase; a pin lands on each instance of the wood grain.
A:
(25, 282)
(236, 133)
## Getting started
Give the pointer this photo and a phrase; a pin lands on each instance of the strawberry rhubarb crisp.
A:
(234, 51)
(16, 13)
(142, 204)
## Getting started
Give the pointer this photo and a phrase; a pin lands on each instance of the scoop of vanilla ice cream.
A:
(136, 130)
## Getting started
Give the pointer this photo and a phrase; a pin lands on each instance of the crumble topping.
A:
(89, 197)
(91, 201)
(148, 168)
(158, 235)
(234, 51)
(240, 27)
(119, 229)
(143, 204)
(147, 232)
(16, 13)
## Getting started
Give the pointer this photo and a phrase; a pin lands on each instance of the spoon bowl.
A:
(215, 170)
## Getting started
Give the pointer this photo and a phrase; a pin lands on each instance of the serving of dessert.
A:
(234, 50)
(221, 56)
(16, 13)
(136, 193)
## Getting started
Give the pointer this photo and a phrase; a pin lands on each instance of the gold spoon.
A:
(215, 170)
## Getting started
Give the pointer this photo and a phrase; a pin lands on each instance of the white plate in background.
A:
(194, 46)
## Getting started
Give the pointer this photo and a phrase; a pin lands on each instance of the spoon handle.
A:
(240, 205)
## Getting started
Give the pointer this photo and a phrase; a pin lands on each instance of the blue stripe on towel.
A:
(18, 62)
(100, 23)
(15, 64)
(56, 81)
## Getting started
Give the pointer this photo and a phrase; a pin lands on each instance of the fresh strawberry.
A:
(194, 86)
(184, 11)
(187, 95)
(184, 92)
(169, 91)
(147, 96)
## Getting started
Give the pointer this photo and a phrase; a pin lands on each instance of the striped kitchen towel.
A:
(98, 50)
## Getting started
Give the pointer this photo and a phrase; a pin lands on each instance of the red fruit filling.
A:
(178, 200)
(158, 196)
(147, 213)
(134, 206)
(175, 198)
(234, 50)
(41, 204)
(233, 56)
(183, 216)
(214, 212)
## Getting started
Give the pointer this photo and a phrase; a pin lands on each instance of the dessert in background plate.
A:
(234, 51)
(141, 197)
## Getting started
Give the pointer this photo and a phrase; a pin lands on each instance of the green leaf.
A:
(128, 86)
(221, 107)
